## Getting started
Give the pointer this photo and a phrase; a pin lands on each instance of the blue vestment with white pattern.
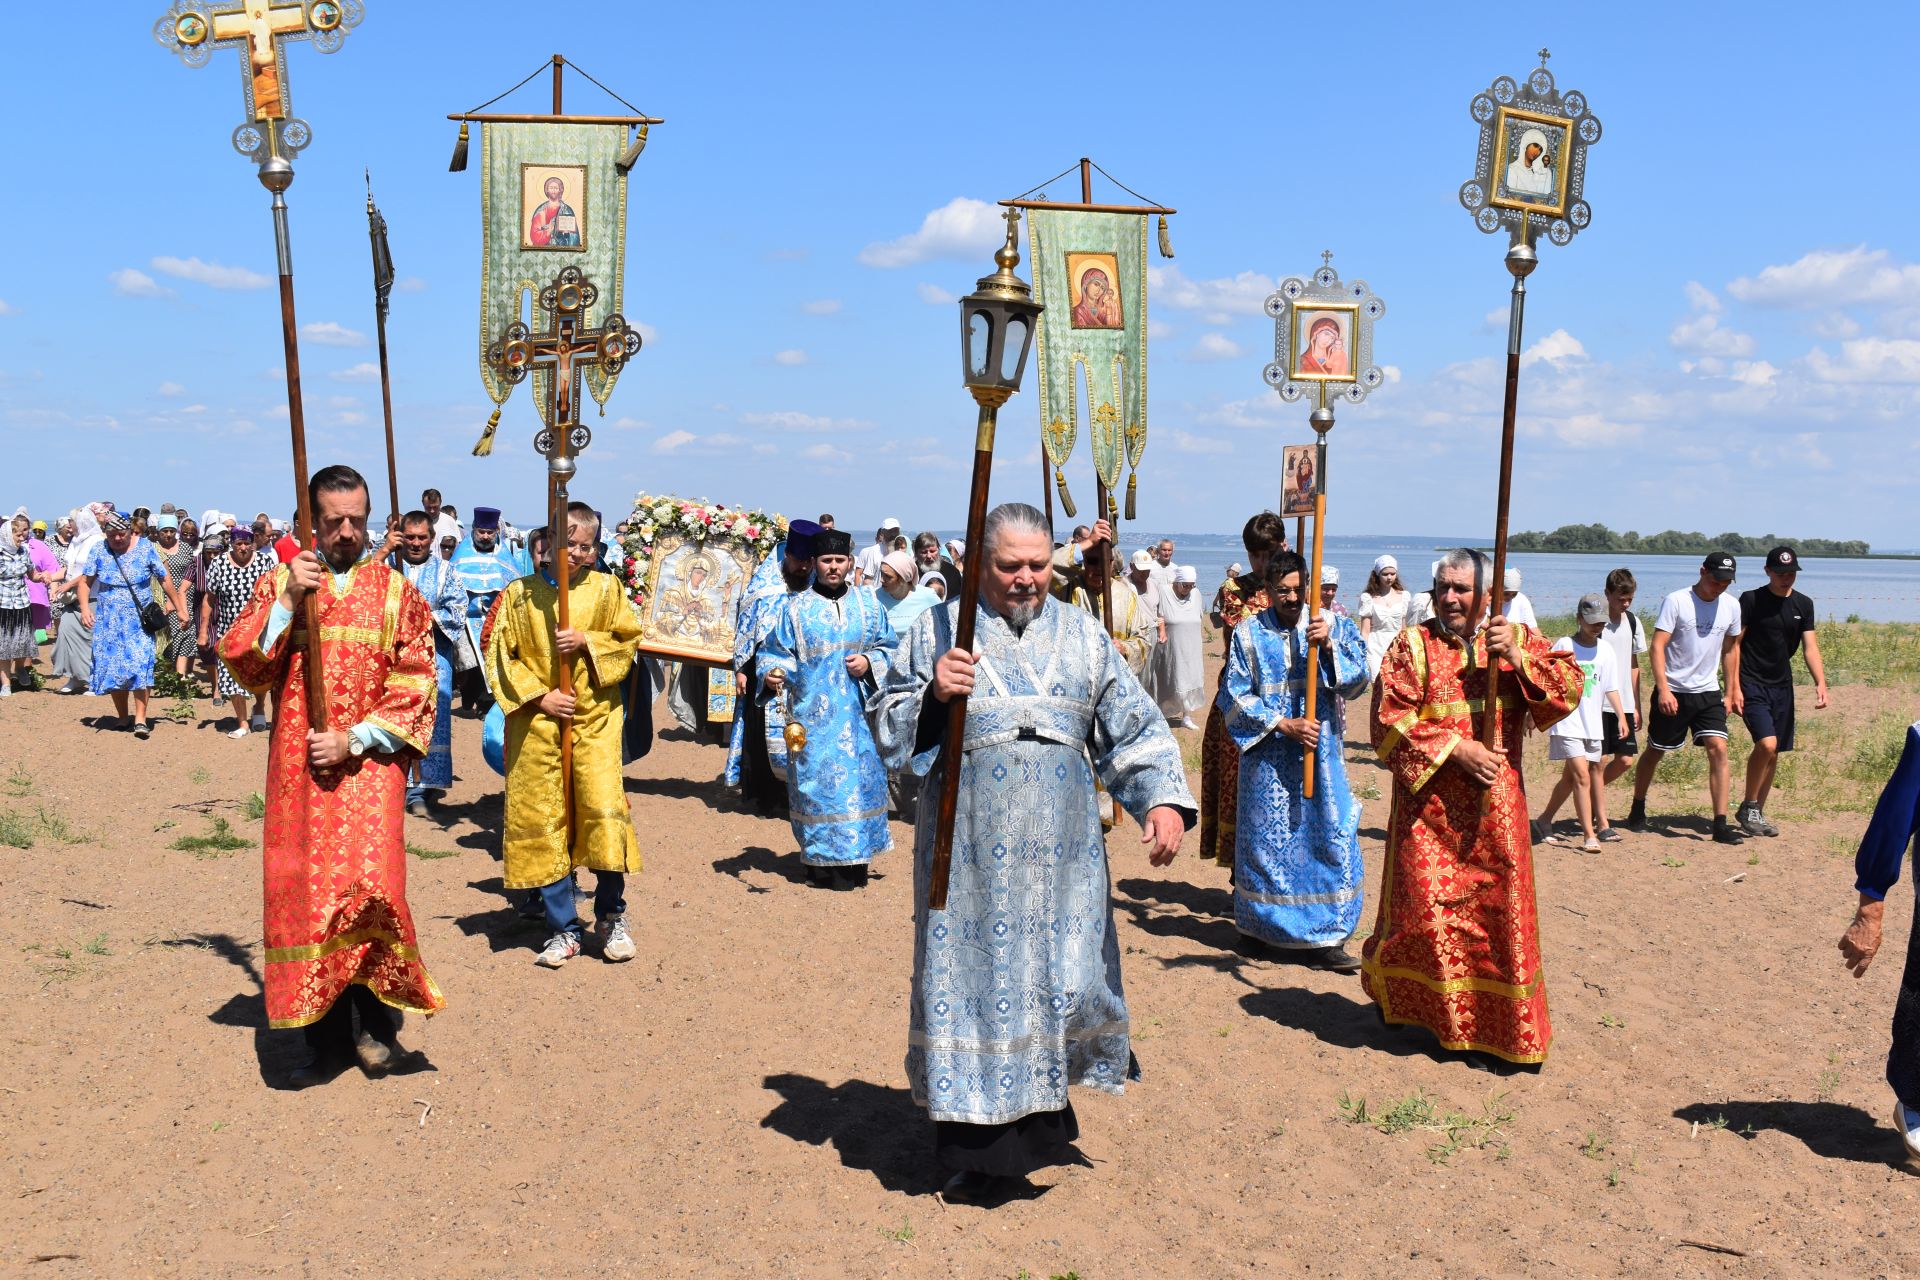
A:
(1016, 984)
(1297, 875)
(440, 583)
(836, 786)
(485, 575)
(760, 606)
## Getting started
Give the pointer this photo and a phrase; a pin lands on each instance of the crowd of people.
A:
(845, 668)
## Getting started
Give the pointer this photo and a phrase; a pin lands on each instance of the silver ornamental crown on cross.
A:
(259, 29)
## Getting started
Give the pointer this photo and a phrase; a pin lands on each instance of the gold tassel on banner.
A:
(1133, 484)
(485, 446)
(459, 164)
(1166, 245)
(1066, 499)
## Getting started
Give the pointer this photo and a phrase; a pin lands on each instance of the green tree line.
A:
(1672, 542)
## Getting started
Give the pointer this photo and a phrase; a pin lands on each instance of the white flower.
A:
(739, 527)
(646, 530)
(662, 513)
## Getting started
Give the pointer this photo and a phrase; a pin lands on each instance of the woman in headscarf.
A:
(230, 577)
(1383, 610)
(45, 570)
(1179, 674)
(73, 647)
(16, 621)
(177, 557)
(119, 577)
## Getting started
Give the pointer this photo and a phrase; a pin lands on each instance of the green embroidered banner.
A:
(1090, 272)
(551, 197)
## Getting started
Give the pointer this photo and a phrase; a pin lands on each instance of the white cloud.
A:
(1158, 330)
(1833, 278)
(682, 442)
(1701, 298)
(790, 420)
(172, 389)
(365, 371)
(1557, 348)
(1802, 453)
(6, 310)
(1836, 324)
(791, 356)
(343, 402)
(1869, 360)
(1219, 301)
(1215, 346)
(827, 453)
(1592, 431)
(624, 423)
(130, 282)
(648, 334)
(821, 307)
(961, 228)
(409, 284)
(212, 274)
(1391, 372)
(194, 408)
(329, 333)
(934, 295)
(1187, 442)
(349, 417)
(1753, 373)
(1701, 333)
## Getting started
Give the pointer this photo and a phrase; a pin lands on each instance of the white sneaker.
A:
(6, 691)
(1908, 1123)
(239, 732)
(616, 944)
(1186, 722)
(561, 947)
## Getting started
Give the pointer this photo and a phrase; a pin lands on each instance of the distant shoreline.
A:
(1569, 551)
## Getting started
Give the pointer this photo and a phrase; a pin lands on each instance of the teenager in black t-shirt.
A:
(1775, 622)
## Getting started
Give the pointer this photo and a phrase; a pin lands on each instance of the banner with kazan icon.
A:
(1090, 272)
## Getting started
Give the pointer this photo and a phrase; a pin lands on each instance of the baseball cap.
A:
(890, 523)
(1783, 559)
(1143, 560)
(1719, 564)
(1593, 607)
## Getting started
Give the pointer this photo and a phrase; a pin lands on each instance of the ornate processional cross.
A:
(563, 352)
(260, 30)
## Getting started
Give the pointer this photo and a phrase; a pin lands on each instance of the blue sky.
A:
(1734, 344)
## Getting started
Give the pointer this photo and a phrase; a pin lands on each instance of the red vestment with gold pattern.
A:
(1239, 599)
(334, 845)
(1456, 946)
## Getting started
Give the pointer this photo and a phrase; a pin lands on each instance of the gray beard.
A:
(1019, 616)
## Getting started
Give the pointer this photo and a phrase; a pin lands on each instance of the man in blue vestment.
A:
(486, 566)
(1297, 876)
(757, 752)
(828, 649)
(1016, 983)
(439, 582)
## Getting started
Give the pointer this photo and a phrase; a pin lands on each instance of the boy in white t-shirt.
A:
(1577, 739)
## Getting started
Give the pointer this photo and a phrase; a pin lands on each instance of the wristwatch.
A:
(355, 747)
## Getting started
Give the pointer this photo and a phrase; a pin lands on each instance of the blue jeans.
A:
(609, 899)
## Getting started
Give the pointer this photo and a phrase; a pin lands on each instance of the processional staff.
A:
(1530, 172)
(996, 330)
(382, 294)
(270, 137)
(1323, 346)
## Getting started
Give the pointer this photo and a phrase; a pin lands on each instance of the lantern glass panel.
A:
(1014, 353)
(979, 344)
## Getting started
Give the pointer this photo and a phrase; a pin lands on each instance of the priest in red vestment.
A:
(1456, 947)
(334, 845)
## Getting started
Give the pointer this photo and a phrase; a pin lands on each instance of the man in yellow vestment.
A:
(556, 823)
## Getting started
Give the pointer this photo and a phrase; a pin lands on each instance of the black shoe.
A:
(325, 1066)
(975, 1188)
(1334, 959)
(417, 806)
(1252, 948)
(1636, 818)
(1724, 834)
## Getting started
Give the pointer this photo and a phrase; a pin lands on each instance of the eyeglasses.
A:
(1284, 593)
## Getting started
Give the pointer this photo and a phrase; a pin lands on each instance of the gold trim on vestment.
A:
(290, 1024)
(1459, 1046)
(340, 942)
(1454, 986)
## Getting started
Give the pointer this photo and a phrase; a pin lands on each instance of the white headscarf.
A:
(7, 541)
(1385, 562)
(86, 536)
(1186, 573)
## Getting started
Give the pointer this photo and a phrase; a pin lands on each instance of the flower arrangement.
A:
(700, 520)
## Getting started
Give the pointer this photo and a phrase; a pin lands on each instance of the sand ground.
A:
(732, 1102)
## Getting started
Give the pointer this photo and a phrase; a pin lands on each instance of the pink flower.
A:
(753, 531)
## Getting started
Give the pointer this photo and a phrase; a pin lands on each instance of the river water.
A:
(1874, 590)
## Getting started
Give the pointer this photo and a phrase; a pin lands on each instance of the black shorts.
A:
(1704, 715)
(1768, 712)
(1616, 739)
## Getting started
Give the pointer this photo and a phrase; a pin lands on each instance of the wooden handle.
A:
(1489, 735)
(563, 675)
(1312, 593)
(950, 747)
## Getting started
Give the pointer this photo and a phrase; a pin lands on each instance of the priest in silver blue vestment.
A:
(1016, 984)
(440, 583)
(757, 750)
(1298, 881)
(829, 648)
(486, 566)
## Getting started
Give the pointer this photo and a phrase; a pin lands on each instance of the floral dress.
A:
(230, 585)
(123, 653)
(180, 631)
